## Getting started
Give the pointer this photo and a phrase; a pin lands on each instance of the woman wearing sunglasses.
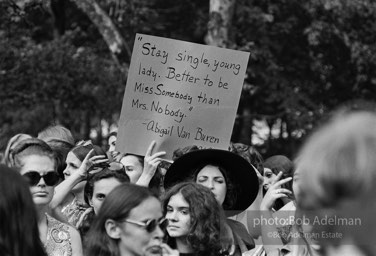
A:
(37, 163)
(194, 220)
(130, 223)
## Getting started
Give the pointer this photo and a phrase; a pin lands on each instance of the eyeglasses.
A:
(150, 225)
(50, 178)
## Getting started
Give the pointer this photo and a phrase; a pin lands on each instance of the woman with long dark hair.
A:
(194, 220)
(231, 179)
(19, 233)
(130, 223)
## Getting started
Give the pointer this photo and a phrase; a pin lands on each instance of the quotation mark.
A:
(190, 109)
(139, 38)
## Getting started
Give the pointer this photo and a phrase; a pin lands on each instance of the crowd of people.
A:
(59, 197)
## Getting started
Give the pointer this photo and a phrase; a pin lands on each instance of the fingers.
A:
(158, 154)
(281, 182)
(89, 154)
(95, 170)
(99, 161)
(277, 178)
(282, 192)
(153, 164)
(154, 159)
(150, 148)
(98, 157)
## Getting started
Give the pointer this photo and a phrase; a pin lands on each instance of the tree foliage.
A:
(306, 59)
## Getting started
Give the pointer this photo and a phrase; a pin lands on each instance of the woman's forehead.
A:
(210, 170)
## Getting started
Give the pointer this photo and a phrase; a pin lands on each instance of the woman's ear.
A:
(112, 229)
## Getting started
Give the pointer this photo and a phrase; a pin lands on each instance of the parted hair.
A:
(231, 194)
(205, 214)
(117, 206)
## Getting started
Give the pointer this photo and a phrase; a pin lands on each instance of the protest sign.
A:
(179, 94)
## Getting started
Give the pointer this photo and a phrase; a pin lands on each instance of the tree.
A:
(306, 58)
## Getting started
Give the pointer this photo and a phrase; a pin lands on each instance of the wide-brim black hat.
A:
(241, 174)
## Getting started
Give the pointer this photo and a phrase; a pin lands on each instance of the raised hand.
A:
(274, 192)
(151, 162)
(92, 164)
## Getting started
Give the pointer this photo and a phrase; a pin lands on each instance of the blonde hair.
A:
(12, 143)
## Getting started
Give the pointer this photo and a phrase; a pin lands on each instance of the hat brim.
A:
(241, 174)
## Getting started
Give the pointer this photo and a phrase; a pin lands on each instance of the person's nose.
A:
(66, 171)
(158, 233)
(211, 184)
(41, 182)
(171, 216)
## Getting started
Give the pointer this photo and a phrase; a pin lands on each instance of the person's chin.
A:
(41, 200)
(153, 251)
(174, 232)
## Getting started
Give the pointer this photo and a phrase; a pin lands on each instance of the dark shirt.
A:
(241, 233)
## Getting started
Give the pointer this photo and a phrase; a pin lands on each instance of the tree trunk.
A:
(246, 128)
(58, 14)
(85, 125)
(117, 45)
(221, 13)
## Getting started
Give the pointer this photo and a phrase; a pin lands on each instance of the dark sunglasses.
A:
(150, 225)
(50, 178)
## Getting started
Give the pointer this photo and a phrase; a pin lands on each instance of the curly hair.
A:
(205, 217)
